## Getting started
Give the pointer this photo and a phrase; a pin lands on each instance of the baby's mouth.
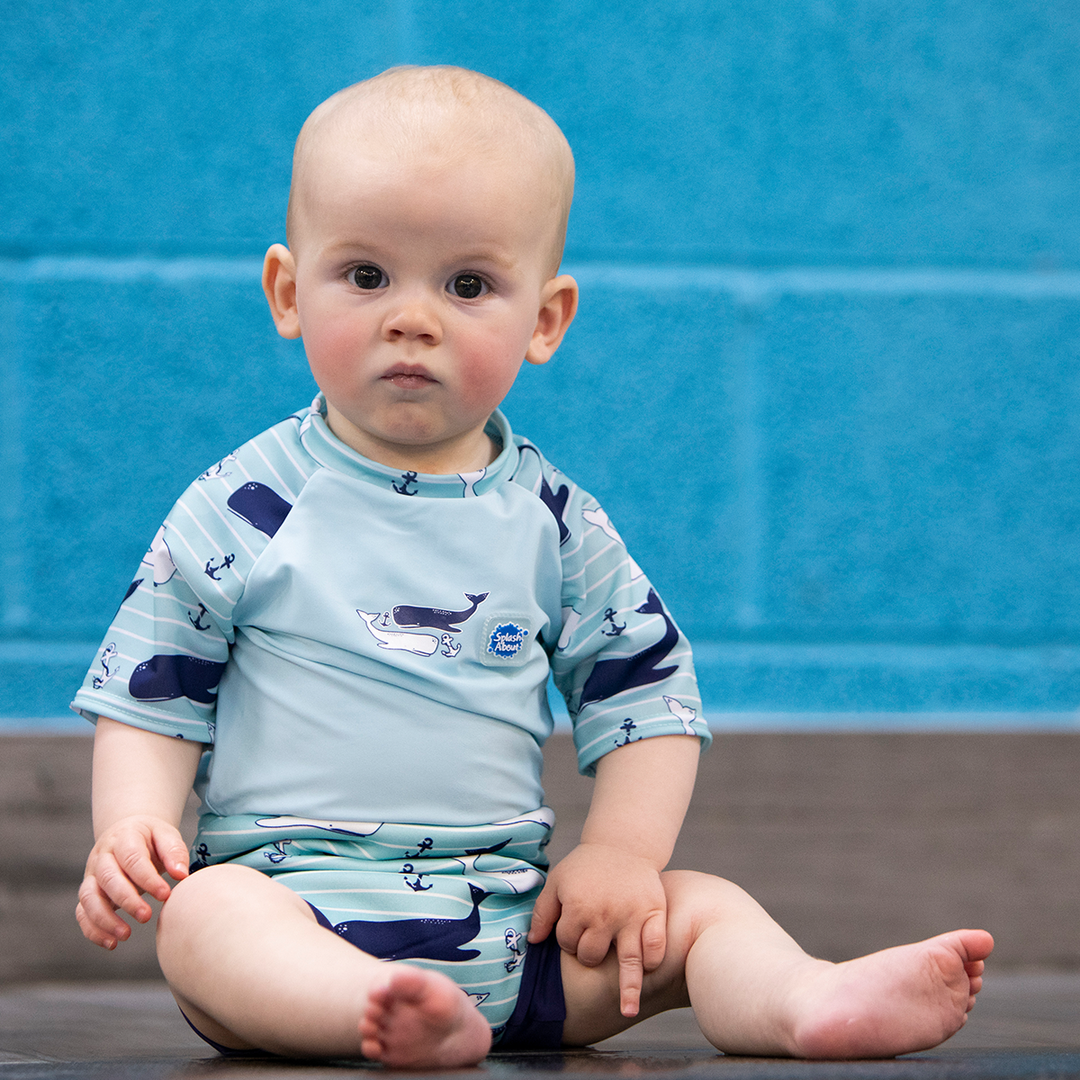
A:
(406, 377)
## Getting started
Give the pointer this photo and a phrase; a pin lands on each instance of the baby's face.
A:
(418, 288)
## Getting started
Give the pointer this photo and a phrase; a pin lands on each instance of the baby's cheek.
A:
(488, 371)
(332, 354)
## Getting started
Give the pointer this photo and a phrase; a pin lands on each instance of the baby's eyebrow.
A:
(489, 256)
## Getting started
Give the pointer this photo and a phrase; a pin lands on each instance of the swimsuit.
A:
(361, 647)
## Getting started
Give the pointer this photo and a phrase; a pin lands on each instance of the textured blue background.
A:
(825, 376)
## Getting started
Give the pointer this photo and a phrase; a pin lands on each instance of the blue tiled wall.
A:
(826, 375)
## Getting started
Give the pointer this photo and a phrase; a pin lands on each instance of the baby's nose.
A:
(414, 318)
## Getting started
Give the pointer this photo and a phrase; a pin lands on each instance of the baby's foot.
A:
(420, 1019)
(892, 1002)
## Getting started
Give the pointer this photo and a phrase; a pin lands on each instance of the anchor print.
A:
(407, 478)
(196, 620)
(107, 654)
(416, 885)
(616, 628)
(627, 726)
(211, 570)
(279, 854)
(513, 940)
(425, 845)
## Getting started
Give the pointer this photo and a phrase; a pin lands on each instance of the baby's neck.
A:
(468, 453)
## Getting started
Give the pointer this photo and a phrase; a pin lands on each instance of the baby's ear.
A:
(558, 305)
(279, 284)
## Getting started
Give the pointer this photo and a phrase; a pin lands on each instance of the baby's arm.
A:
(607, 891)
(141, 783)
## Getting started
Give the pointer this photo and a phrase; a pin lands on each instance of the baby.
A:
(342, 637)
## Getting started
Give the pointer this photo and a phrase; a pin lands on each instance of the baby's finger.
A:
(94, 933)
(142, 874)
(631, 973)
(97, 917)
(545, 915)
(119, 890)
(654, 940)
(172, 853)
(592, 945)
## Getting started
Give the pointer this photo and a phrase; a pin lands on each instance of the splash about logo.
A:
(506, 640)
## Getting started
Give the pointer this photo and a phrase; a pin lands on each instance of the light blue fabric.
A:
(365, 644)
(452, 900)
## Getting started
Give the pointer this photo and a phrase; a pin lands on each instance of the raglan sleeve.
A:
(160, 663)
(621, 663)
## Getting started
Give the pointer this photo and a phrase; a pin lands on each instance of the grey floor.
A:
(1025, 1025)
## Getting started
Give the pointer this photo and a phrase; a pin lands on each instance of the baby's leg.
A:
(754, 991)
(250, 967)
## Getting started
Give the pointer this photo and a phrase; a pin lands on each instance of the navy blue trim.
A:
(226, 1051)
(537, 1020)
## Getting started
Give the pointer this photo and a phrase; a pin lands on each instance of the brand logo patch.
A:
(505, 640)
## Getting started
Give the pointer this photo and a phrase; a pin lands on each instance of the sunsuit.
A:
(362, 649)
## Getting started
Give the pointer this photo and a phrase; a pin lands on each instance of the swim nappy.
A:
(457, 900)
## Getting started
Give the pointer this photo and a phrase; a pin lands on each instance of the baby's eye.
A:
(367, 277)
(468, 286)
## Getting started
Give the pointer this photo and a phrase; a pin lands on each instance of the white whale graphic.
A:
(542, 815)
(599, 518)
(420, 644)
(470, 480)
(351, 828)
(160, 559)
(571, 618)
(218, 471)
(522, 879)
(682, 713)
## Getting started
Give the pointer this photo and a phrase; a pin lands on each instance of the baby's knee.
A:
(683, 886)
(696, 900)
(212, 884)
(212, 889)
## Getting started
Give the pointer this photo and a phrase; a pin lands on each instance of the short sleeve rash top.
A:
(358, 643)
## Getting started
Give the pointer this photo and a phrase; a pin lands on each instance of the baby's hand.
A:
(601, 896)
(126, 862)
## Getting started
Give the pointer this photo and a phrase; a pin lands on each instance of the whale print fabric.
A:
(454, 900)
(355, 642)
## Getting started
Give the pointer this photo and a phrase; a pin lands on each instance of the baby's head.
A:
(426, 225)
(434, 118)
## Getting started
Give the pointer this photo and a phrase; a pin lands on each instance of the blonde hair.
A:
(413, 106)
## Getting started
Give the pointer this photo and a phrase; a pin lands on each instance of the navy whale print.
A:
(609, 677)
(167, 677)
(260, 506)
(554, 501)
(413, 939)
(438, 618)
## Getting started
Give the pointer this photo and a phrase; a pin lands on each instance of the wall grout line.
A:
(751, 286)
